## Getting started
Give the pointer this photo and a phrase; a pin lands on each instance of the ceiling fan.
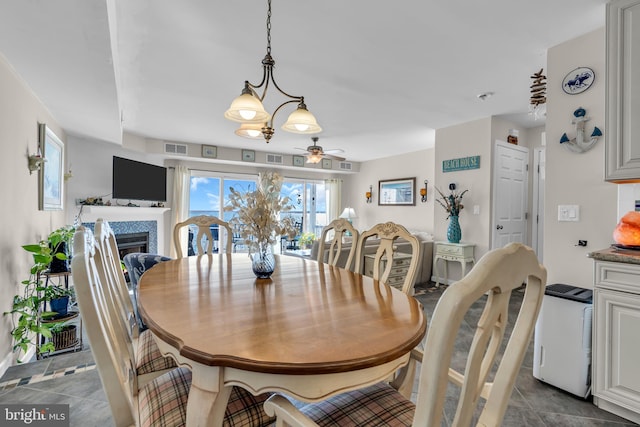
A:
(315, 153)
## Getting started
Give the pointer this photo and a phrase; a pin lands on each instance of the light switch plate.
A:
(568, 212)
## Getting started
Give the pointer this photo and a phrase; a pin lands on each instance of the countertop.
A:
(614, 254)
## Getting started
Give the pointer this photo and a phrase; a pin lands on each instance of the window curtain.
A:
(333, 188)
(181, 178)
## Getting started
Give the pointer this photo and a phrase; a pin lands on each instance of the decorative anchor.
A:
(580, 144)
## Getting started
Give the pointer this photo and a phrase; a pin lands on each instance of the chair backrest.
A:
(388, 233)
(137, 263)
(106, 241)
(339, 227)
(203, 224)
(115, 364)
(492, 281)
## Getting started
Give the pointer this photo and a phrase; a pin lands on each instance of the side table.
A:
(456, 252)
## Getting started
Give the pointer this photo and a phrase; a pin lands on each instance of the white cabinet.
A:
(622, 128)
(616, 339)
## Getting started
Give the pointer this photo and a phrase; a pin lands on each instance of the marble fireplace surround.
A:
(125, 220)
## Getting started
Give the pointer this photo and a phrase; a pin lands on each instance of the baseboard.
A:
(7, 362)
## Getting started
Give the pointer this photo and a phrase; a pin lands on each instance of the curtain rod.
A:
(251, 174)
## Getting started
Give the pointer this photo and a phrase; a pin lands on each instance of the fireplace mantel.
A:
(91, 213)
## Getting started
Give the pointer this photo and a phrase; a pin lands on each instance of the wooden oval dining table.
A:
(310, 331)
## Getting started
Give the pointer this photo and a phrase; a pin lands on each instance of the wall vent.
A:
(345, 166)
(171, 148)
(275, 159)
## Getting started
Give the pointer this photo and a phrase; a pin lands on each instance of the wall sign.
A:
(461, 164)
(578, 80)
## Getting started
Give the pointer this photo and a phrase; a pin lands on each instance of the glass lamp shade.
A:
(247, 109)
(250, 130)
(302, 121)
(314, 158)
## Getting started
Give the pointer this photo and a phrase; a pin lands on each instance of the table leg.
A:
(208, 398)
(437, 270)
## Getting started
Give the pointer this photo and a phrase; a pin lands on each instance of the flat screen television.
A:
(135, 180)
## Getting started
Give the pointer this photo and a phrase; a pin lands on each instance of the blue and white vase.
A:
(454, 233)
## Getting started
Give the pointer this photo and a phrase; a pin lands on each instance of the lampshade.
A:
(302, 121)
(250, 130)
(314, 158)
(348, 213)
(247, 109)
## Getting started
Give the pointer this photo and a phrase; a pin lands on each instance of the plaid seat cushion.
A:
(149, 358)
(379, 405)
(163, 402)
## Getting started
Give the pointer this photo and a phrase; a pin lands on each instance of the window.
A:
(209, 193)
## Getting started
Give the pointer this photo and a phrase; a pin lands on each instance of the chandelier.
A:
(248, 110)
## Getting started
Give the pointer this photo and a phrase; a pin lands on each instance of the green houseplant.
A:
(27, 307)
(306, 239)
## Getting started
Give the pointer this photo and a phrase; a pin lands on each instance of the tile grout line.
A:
(33, 379)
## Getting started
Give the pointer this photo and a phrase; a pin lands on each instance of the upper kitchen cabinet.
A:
(622, 132)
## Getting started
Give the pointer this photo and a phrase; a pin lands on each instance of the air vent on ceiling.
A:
(275, 159)
(345, 166)
(171, 148)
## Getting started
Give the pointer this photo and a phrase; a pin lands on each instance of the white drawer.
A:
(450, 250)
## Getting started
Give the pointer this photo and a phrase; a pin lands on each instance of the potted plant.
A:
(306, 239)
(28, 307)
(63, 335)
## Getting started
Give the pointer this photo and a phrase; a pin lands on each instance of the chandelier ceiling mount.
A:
(248, 109)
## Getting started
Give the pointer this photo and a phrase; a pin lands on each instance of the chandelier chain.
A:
(269, 29)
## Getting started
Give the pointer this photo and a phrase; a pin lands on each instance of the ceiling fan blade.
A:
(337, 158)
(334, 151)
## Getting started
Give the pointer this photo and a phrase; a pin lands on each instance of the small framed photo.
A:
(248, 156)
(298, 160)
(209, 151)
(326, 164)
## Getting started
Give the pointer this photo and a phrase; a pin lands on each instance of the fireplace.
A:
(132, 242)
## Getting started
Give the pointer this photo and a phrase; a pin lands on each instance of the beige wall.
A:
(418, 164)
(20, 220)
(574, 178)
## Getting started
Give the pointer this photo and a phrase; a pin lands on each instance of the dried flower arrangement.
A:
(451, 203)
(258, 212)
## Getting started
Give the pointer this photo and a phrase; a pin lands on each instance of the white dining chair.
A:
(161, 401)
(148, 360)
(203, 224)
(491, 283)
(329, 250)
(388, 233)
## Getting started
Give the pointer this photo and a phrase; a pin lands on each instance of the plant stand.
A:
(69, 339)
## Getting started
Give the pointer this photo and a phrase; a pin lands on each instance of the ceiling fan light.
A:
(250, 130)
(247, 109)
(302, 121)
(314, 158)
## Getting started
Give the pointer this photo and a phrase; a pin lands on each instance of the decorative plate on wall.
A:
(578, 80)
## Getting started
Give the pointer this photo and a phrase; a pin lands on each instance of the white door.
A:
(510, 196)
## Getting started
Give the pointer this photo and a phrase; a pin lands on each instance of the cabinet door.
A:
(622, 130)
(617, 348)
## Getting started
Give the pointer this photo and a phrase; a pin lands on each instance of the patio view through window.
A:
(209, 193)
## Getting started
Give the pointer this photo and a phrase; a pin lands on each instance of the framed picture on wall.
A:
(51, 172)
(397, 192)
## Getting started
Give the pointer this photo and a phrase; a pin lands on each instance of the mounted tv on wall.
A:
(133, 180)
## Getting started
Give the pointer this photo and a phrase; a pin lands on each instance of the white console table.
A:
(456, 252)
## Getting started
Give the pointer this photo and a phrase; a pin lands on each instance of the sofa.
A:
(423, 275)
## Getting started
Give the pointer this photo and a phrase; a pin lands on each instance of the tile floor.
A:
(72, 378)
